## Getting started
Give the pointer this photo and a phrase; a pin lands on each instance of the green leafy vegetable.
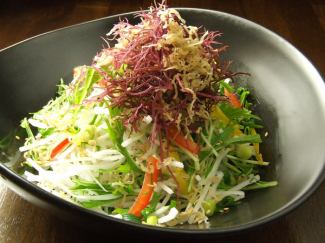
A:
(97, 203)
(151, 207)
(225, 85)
(243, 96)
(82, 90)
(115, 132)
(25, 124)
(261, 185)
(226, 202)
(131, 218)
(82, 184)
(244, 139)
(120, 211)
(46, 132)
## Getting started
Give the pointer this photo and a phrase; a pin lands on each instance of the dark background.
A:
(300, 22)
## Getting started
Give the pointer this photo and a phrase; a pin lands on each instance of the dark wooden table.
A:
(300, 22)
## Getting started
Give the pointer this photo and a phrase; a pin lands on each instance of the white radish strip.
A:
(36, 123)
(177, 164)
(66, 190)
(97, 197)
(86, 175)
(102, 127)
(38, 143)
(147, 119)
(254, 162)
(213, 188)
(72, 159)
(211, 147)
(32, 177)
(34, 164)
(227, 80)
(161, 210)
(103, 165)
(173, 212)
(81, 168)
(164, 202)
(74, 170)
(46, 176)
(203, 194)
(106, 152)
(111, 158)
(99, 184)
(237, 194)
(131, 140)
(60, 186)
(107, 155)
(88, 149)
(120, 158)
(39, 116)
(75, 159)
(117, 216)
(170, 182)
(241, 185)
(165, 188)
(216, 165)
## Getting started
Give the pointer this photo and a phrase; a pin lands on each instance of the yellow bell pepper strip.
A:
(144, 196)
(237, 131)
(60, 147)
(181, 176)
(258, 155)
(233, 99)
(217, 114)
(179, 139)
(182, 179)
(174, 154)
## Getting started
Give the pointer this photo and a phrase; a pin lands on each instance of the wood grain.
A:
(300, 22)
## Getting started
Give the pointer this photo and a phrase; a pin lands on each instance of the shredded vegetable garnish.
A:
(155, 131)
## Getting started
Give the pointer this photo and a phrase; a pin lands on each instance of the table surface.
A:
(300, 22)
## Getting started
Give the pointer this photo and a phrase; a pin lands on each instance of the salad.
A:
(154, 131)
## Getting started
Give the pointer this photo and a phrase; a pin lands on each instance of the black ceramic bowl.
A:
(289, 90)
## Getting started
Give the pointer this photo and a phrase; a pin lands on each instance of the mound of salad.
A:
(154, 131)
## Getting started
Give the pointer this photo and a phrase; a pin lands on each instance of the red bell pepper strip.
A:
(187, 143)
(146, 191)
(59, 148)
(233, 99)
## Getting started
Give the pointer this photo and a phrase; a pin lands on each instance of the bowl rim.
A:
(14, 180)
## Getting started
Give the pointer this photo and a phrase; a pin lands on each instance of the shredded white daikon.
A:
(173, 212)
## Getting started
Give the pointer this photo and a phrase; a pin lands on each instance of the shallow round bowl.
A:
(290, 97)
